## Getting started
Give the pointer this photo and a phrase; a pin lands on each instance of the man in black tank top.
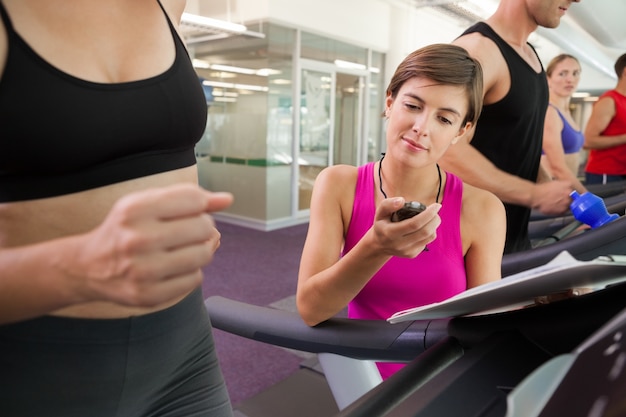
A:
(506, 145)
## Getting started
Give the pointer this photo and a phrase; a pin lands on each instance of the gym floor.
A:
(261, 268)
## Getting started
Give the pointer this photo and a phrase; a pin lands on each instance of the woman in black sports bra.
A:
(103, 228)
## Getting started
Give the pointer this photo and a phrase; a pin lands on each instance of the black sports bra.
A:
(60, 134)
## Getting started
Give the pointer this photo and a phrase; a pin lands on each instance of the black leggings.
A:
(160, 364)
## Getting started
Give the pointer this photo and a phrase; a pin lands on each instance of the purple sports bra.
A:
(572, 139)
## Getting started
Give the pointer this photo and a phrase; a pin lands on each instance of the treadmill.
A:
(478, 365)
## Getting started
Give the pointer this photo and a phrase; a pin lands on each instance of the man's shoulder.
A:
(475, 43)
(608, 102)
(614, 95)
(487, 52)
(478, 40)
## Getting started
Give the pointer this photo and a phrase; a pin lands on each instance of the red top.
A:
(611, 161)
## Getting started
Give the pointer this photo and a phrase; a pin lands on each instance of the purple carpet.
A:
(259, 268)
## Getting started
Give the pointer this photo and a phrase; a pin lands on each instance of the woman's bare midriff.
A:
(28, 222)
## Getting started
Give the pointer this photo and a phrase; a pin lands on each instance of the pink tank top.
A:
(402, 283)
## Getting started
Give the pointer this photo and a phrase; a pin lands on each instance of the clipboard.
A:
(561, 274)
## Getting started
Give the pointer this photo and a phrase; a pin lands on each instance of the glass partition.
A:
(255, 131)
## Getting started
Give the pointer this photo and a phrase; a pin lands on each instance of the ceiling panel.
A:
(605, 20)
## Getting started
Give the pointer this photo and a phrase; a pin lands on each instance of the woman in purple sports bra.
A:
(562, 138)
(355, 254)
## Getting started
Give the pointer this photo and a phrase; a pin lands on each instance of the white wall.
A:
(413, 28)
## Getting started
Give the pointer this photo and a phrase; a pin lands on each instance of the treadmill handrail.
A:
(609, 239)
(358, 339)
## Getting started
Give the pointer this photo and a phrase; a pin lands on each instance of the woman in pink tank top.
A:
(357, 254)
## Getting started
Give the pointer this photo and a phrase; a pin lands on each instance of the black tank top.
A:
(60, 134)
(510, 132)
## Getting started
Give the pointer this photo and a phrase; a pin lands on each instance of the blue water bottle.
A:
(588, 208)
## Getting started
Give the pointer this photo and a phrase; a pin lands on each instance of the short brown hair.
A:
(444, 64)
(620, 64)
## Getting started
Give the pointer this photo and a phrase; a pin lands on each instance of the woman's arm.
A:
(483, 229)
(553, 150)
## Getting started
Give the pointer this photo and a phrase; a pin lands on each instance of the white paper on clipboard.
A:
(563, 273)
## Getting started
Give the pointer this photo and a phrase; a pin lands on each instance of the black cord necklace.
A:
(380, 178)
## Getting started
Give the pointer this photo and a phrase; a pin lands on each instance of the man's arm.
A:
(474, 168)
(603, 112)
(466, 162)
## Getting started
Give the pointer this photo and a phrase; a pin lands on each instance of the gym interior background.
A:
(295, 85)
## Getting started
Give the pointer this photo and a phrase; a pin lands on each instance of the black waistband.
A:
(109, 331)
